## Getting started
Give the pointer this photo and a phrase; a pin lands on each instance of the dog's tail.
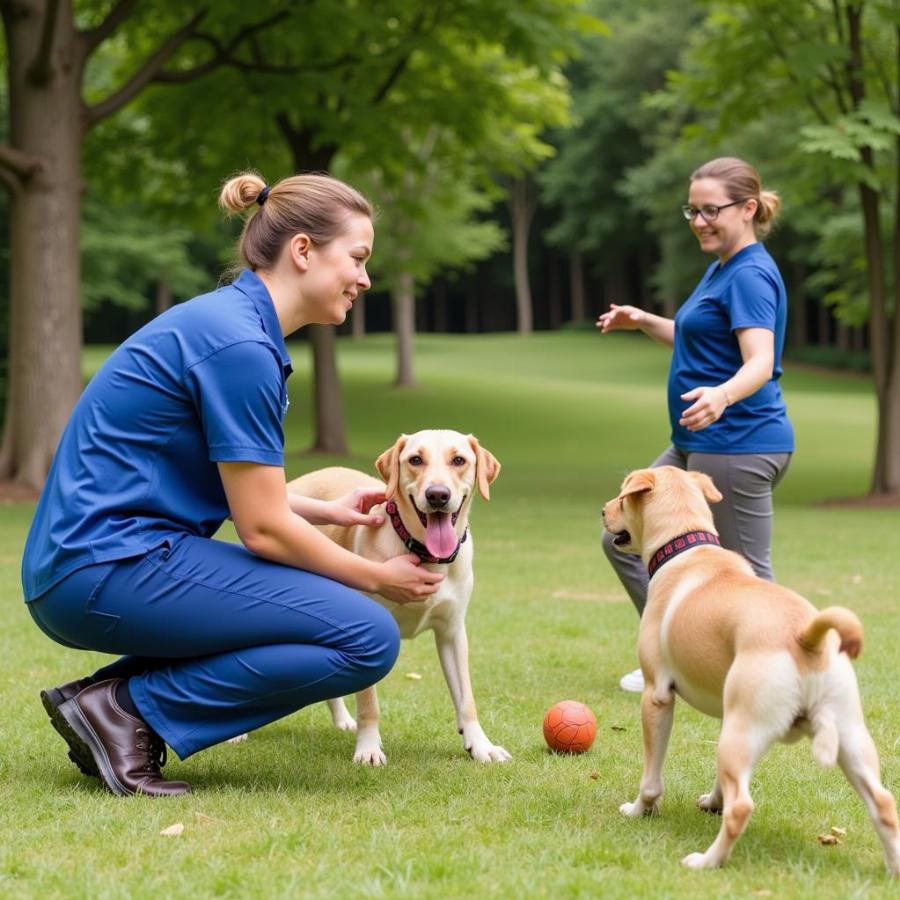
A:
(843, 621)
(826, 741)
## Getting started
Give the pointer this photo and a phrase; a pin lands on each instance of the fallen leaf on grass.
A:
(205, 819)
(173, 830)
(594, 775)
(413, 676)
(619, 728)
(828, 840)
(838, 832)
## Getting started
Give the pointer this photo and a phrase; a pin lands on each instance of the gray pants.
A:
(743, 517)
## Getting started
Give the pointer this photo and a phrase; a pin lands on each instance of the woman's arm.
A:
(351, 509)
(758, 352)
(630, 318)
(266, 525)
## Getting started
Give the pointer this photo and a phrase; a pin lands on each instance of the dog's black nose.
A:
(437, 495)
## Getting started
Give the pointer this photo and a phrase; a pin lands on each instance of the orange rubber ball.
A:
(569, 727)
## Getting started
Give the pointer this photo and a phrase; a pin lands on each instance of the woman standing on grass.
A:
(727, 414)
(180, 429)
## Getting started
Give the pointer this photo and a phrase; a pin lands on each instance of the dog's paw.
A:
(697, 861)
(632, 810)
(344, 723)
(487, 753)
(239, 739)
(711, 802)
(370, 756)
(640, 808)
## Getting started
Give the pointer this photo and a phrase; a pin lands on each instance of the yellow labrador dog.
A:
(742, 649)
(430, 477)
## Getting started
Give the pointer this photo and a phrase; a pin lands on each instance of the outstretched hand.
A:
(620, 318)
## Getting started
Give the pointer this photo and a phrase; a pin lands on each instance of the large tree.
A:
(49, 50)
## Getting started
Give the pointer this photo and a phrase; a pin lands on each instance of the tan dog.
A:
(431, 477)
(742, 649)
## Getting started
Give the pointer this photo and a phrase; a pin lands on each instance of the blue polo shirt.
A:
(747, 292)
(204, 383)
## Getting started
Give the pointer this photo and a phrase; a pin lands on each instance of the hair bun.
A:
(240, 192)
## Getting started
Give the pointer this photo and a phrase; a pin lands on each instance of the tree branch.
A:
(93, 37)
(401, 64)
(223, 58)
(225, 55)
(10, 182)
(40, 70)
(144, 75)
(16, 163)
(792, 76)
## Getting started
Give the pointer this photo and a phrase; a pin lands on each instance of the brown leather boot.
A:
(53, 698)
(126, 751)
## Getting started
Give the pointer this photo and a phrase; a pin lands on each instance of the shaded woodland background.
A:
(527, 157)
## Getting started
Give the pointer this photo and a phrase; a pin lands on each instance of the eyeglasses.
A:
(709, 212)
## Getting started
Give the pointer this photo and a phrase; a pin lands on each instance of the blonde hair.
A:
(742, 182)
(316, 205)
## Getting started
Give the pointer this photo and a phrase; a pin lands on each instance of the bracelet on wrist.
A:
(727, 397)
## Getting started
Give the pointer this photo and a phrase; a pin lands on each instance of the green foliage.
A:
(126, 251)
(598, 210)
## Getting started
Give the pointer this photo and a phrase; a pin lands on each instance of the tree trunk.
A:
(328, 405)
(330, 434)
(522, 208)
(472, 303)
(163, 295)
(45, 269)
(798, 333)
(358, 318)
(576, 286)
(403, 302)
(554, 292)
(439, 305)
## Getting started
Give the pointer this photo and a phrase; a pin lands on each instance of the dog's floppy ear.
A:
(638, 482)
(710, 491)
(388, 465)
(487, 467)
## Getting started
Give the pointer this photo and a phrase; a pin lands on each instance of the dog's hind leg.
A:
(711, 802)
(859, 760)
(741, 744)
(657, 713)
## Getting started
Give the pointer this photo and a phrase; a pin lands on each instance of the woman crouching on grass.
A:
(180, 429)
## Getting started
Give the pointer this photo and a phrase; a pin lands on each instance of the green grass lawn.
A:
(287, 814)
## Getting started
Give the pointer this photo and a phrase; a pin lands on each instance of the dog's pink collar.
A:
(412, 544)
(679, 545)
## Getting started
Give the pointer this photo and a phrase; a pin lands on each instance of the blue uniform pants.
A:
(219, 641)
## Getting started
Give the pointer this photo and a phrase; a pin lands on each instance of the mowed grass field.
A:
(287, 814)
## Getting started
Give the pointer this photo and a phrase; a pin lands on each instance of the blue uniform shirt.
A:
(747, 292)
(203, 383)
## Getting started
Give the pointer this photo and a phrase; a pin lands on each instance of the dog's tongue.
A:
(440, 538)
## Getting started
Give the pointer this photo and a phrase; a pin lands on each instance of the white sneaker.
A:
(633, 682)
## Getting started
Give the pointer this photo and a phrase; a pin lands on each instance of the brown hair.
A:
(316, 205)
(741, 182)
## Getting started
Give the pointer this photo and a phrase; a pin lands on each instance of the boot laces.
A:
(155, 747)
